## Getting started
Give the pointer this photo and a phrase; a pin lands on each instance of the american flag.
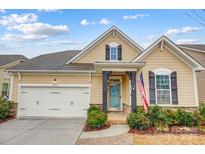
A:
(142, 92)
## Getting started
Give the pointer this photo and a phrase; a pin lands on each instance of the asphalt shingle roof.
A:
(7, 59)
(53, 61)
(194, 46)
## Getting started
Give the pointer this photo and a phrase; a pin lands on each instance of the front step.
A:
(117, 118)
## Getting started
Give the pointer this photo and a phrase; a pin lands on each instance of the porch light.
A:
(54, 80)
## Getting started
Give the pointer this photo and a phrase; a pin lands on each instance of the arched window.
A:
(163, 86)
(113, 51)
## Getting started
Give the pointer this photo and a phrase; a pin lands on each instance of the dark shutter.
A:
(152, 97)
(107, 52)
(174, 88)
(119, 52)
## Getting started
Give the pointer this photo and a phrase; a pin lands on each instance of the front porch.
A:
(119, 80)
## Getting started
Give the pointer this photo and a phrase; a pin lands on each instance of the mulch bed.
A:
(88, 128)
(172, 130)
(7, 119)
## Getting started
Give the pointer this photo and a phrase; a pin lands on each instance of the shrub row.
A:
(163, 118)
(95, 117)
(5, 108)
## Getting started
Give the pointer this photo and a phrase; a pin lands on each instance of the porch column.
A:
(133, 91)
(104, 93)
(132, 77)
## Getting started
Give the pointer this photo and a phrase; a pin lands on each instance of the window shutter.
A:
(107, 52)
(152, 97)
(174, 88)
(119, 52)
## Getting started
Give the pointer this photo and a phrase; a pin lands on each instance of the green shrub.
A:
(5, 108)
(138, 121)
(170, 117)
(93, 108)
(96, 118)
(156, 116)
(185, 118)
(202, 109)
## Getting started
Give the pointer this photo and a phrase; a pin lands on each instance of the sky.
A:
(36, 32)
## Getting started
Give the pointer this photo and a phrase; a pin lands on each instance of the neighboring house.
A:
(7, 61)
(197, 51)
(105, 73)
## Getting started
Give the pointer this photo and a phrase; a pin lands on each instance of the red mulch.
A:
(172, 130)
(7, 119)
(88, 128)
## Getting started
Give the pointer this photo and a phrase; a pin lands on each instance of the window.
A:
(5, 87)
(163, 88)
(113, 53)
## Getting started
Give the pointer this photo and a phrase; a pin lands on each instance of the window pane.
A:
(113, 53)
(163, 89)
(163, 96)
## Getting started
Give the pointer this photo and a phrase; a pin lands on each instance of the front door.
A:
(115, 96)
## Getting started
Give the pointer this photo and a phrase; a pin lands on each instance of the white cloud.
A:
(183, 30)
(133, 17)
(48, 10)
(23, 37)
(61, 42)
(84, 22)
(104, 21)
(35, 31)
(41, 29)
(2, 11)
(187, 41)
(15, 19)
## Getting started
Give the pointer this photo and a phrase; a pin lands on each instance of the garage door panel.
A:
(53, 101)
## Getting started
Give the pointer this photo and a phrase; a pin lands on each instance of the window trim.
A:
(114, 45)
(163, 71)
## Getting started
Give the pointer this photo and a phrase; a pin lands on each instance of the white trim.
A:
(189, 48)
(12, 63)
(119, 69)
(113, 28)
(114, 46)
(163, 71)
(160, 71)
(172, 105)
(11, 87)
(54, 71)
(53, 85)
(195, 89)
(189, 59)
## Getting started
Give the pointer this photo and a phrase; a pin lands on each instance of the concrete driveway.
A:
(41, 131)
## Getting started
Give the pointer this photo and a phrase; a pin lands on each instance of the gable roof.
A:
(194, 47)
(52, 62)
(8, 59)
(112, 29)
(175, 49)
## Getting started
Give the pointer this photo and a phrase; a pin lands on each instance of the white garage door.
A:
(53, 101)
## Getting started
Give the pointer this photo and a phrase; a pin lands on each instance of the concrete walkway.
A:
(114, 130)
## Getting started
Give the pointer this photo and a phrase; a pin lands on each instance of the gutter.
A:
(52, 71)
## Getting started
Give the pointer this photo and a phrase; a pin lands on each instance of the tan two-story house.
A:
(105, 73)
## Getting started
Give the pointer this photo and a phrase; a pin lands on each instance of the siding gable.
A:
(97, 52)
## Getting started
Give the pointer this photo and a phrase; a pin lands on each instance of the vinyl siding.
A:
(165, 59)
(47, 79)
(97, 53)
(200, 57)
(96, 89)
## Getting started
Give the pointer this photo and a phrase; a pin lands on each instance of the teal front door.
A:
(115, 96)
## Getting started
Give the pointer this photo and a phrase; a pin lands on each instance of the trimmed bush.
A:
(5, 108)
(202, 109)
(96, 118)
(93, 108)
(185, 118)
(138, 121)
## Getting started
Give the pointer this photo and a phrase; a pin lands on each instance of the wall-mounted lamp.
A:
(54, 80)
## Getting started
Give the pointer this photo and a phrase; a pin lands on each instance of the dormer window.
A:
(113, 52)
